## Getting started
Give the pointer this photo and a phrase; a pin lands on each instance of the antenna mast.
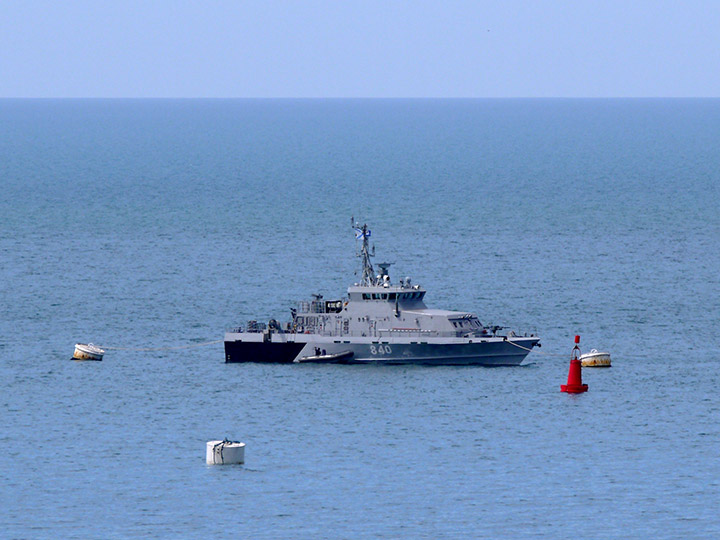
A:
(368, 272)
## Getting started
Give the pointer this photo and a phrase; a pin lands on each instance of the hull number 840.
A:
(380, 349)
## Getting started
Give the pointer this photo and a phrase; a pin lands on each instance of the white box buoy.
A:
(225, 452)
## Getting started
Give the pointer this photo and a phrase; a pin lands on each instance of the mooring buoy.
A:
(225, 452)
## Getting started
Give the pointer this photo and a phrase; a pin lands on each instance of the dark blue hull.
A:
(254, 351)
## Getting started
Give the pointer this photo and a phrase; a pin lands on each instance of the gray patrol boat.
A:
(378, 322)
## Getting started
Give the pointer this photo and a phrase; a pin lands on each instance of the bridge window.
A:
(392, 296)
(366, 296)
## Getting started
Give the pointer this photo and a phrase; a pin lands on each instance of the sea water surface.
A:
(160, 223)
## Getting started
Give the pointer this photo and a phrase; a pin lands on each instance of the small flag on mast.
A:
(359, 233)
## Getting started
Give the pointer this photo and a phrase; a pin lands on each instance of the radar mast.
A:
(368, 272)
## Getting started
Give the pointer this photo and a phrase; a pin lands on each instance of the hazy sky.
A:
(345, 48)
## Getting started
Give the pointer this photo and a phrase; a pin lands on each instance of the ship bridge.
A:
(386, 294)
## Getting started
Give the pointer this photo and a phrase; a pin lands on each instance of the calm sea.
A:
(160, 223)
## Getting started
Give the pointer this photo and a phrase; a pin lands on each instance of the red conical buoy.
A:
(574, 383)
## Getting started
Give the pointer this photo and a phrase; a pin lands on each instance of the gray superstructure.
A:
(377, 322)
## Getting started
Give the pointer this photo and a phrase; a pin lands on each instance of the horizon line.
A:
(348, 97)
